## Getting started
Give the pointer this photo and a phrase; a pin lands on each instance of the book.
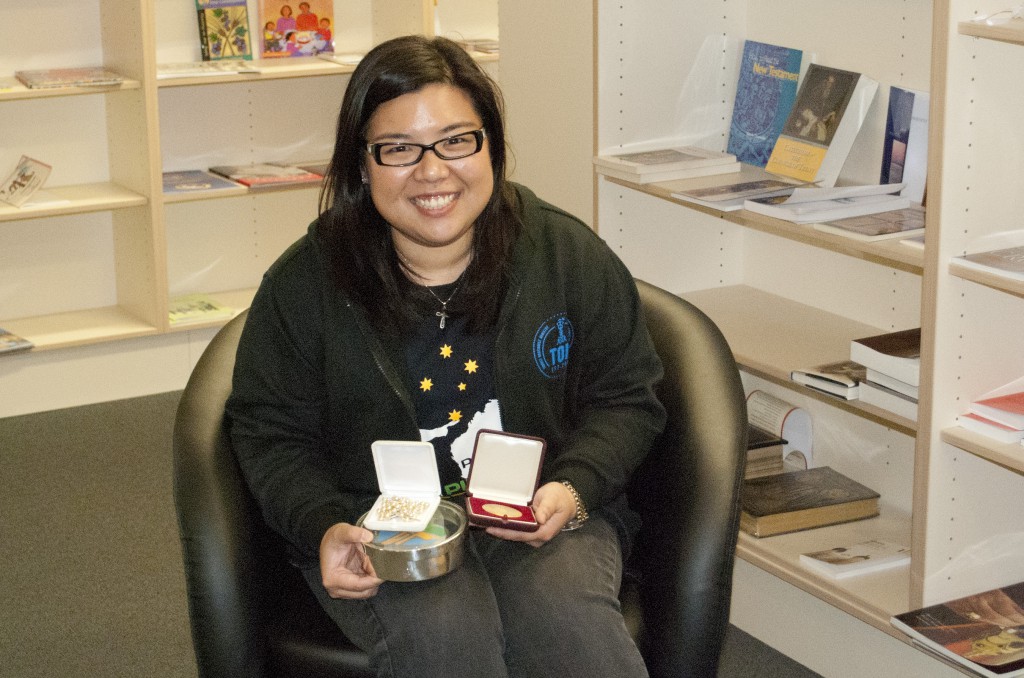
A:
(1005, 261)
(266, 176)
(888, 399)
(86, 76)
(196, 308)
(27, 177)
(200, 182)
(905, 145)
(200, 69)
(730, 197)
(983, 632)
(666, 164)
(897, 354)
(765, 92)
(11, 342)
(899, 223)
(785, 421)
(816, 205)
(801, 500)
(764, 452)
(883, 379)
(1004, 404)
(296, 29)
(987, 427)
(224, 29)
(863, 557)
(841, 378)
(830, 108)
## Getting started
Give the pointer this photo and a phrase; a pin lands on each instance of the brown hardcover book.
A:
(801, 500)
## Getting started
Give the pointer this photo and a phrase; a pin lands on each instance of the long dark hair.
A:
(363, 260)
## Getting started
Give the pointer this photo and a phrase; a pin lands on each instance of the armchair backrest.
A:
(687, 492)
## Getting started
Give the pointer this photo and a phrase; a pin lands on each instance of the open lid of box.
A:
(506, 466)
(406, 467)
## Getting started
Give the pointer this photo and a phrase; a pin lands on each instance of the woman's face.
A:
(432, 205)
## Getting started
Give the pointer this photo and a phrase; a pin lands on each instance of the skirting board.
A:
(821, 637)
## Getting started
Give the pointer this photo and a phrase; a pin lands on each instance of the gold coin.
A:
(502, 510)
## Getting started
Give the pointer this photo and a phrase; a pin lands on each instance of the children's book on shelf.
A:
(199, 182)
(1004, 404)
(200, 69)
(224, 29)
(12, 343)
(196, 308)
(27, 177)
(85, 76)
(802, 500)
(865, 557)
(729, 197)
(840, 378)
(268, 176)
(816, 205)
(830, 108)
(897, 354)
(987, 427)
(765, 91)
(296, 29)
(900, 223)
(905, 146)
(889, 399)
(666, 164)
(983, 632)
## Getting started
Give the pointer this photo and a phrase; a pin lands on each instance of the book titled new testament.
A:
(801, 500)
(830, 108)
(983, 632)
(765, 92)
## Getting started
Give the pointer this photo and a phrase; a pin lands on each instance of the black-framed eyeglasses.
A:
(403, 153)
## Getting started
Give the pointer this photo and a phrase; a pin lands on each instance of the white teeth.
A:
(435, 202)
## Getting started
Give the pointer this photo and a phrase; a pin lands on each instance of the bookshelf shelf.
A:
(1007, 455)
(77, 199)
(871, 597)
(1011, 31)
(891, 253)
(994, 280)
(80, 328)
(11, 89)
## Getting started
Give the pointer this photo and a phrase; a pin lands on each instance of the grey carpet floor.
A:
(91, 582)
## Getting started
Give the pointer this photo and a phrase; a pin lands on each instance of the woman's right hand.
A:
(344, 566)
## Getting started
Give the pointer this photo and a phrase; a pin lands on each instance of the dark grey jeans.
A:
(509, 610)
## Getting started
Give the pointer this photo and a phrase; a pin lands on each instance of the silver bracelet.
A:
(581, 510)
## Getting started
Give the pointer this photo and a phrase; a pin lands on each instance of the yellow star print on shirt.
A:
(426, 384)
(446, 351)
(454, 415)
(471, 366)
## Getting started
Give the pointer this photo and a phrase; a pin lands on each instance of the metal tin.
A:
(417, 556)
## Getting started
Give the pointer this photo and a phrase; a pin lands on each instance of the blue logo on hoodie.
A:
(551, 345)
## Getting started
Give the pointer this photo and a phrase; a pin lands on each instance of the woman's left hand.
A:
(553, 506)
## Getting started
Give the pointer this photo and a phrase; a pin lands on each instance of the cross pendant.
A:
(443, 316)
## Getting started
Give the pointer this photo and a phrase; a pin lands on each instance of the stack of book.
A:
(998, 414)
(892, 363)
(666, 164)
(270, 175)
(764, 452)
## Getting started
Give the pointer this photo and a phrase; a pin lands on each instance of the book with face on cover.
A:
(288, 28)
(829, 110)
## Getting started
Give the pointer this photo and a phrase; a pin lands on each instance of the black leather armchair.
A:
(252, 615)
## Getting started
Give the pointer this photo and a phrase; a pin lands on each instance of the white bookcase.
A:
(787, 296)
(87, 273)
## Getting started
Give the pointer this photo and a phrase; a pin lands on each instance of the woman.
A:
(430, 299)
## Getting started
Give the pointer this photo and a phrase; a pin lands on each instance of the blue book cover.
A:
(765, 92)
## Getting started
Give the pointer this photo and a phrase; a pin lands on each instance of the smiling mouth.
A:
(435, 202)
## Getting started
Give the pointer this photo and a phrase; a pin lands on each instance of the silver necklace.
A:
(443, 313)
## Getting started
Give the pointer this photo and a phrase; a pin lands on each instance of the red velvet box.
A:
(502, 479)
